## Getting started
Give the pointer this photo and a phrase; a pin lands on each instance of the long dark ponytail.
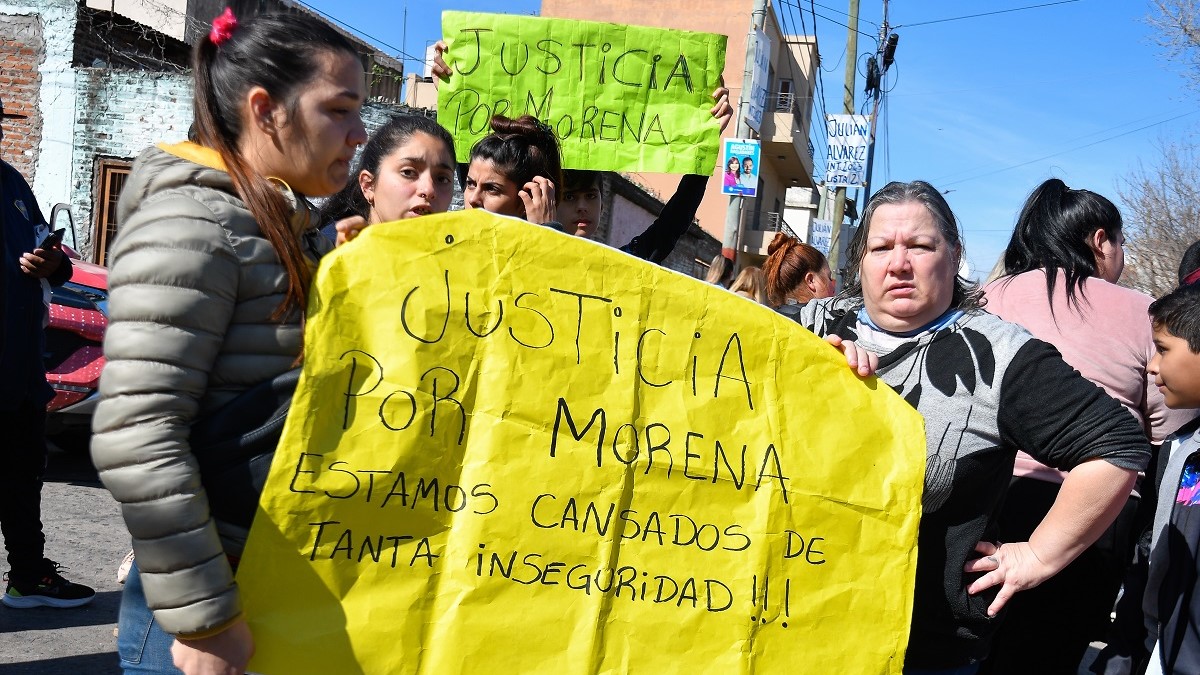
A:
(1053, 233)
(280, 53)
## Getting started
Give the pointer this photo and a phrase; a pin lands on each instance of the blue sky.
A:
(985, 108)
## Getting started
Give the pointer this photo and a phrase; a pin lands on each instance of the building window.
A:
(785, 98)
(110, 180)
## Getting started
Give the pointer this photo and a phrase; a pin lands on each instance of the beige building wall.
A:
(794, 57)
(420, 92)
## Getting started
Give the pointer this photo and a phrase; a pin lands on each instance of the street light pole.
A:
(731, 242)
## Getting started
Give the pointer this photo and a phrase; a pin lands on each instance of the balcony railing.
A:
(785, 101)
(773, 222)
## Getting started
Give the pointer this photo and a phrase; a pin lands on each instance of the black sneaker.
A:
(51, 590)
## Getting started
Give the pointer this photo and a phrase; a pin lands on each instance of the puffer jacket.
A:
(192, 287)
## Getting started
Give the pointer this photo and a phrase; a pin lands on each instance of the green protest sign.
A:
(619, 98)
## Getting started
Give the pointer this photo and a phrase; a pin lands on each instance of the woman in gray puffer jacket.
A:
(208, 285)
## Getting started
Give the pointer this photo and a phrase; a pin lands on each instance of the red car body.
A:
(74, 353)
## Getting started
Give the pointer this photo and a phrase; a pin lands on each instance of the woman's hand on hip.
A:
(1013, 567)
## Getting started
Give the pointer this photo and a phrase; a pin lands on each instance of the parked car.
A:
(74, 354)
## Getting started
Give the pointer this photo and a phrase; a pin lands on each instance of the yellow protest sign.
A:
(517, 451)
(619, 98)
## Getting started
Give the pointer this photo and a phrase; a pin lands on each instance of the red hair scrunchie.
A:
(223, 27)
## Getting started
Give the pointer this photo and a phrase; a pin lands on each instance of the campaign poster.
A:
(849, 143)
(740, 162)
(757, 101)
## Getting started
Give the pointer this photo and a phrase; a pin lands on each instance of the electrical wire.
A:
(833, 9)
(855, 29)
(895, 66)
(819, 142)
(820, 84)
(358, 31)
(1077, 139)
(885, 116)
(1063, 152)
(973, 16)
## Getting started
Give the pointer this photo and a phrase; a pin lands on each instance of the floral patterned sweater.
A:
(986, 388)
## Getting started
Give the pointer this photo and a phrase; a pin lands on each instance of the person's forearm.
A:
(1090, 499)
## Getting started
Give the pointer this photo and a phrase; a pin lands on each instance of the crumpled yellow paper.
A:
(517, 451)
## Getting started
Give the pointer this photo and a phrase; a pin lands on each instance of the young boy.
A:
(1172, 599)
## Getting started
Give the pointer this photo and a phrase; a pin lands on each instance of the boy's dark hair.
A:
(578, 180)
(1190, 261)
(1178, 313)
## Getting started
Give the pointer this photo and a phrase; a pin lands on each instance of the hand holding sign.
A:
(496, 463)
(723, 111)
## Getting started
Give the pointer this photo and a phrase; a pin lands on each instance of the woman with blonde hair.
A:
(750, 283)
(720, 271)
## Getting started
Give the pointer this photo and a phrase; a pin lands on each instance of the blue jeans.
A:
(144, 647)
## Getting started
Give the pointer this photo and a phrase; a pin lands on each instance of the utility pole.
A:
(839, 200)
(731, 243)
(888, 54)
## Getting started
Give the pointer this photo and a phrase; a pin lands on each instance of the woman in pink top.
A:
(1061, 269)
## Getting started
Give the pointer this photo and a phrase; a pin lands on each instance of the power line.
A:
(973, 16)
(1085, 137)
(832, 9)
(885, 116)
(1027, 83)
(1063, 152)
(856, 30)
(820, 71)
(358, 31)
(789, 12)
